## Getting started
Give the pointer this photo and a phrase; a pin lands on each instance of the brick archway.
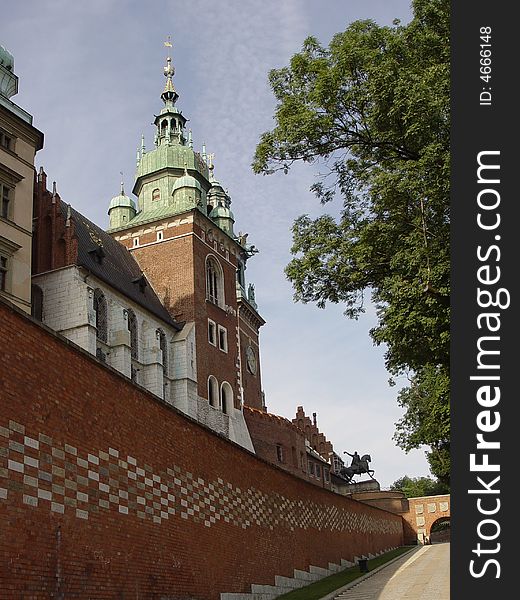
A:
(443, 533)
(422, 513)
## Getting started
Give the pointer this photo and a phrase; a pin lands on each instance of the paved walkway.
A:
(423, 575)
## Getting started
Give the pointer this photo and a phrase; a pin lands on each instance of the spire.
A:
(170, 122)
(169, 94)
(122, 184)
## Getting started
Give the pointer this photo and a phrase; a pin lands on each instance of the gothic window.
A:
(101, 310)
(213, 391)
(36, 302)
(156, 194)
(214, 282)
(279, 453)
(226, 399)
(318, 471)
(132, 328)
(164, 349)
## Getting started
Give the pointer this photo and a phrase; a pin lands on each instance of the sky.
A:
(91, 74)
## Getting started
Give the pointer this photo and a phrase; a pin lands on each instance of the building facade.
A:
(19, 142)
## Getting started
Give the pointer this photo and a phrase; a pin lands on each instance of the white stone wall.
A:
(68, 308)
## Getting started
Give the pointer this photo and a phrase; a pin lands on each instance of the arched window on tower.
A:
(213, 391)
(226, 397)
(156, 194)
(101, 310)
(214, 282)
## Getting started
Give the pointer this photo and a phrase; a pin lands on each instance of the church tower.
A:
(182, 235)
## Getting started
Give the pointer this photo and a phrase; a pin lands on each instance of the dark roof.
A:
(112, 262)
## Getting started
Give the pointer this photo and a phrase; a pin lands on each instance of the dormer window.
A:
(97, 254)
(141, 282)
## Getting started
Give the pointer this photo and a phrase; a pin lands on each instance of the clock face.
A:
(251, 360)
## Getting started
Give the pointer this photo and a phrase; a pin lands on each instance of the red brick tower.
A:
(181, 233)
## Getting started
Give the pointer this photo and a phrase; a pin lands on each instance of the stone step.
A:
(346, 563)
(306, 576)
(238, 596)
(290, 582)
(283, 584)
(319, 571)
(257, 588)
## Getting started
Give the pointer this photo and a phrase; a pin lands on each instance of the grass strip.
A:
(318, 589)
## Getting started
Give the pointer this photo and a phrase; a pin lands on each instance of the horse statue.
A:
(358, 466)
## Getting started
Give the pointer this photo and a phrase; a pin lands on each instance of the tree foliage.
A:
(373, 108)
(415, 487)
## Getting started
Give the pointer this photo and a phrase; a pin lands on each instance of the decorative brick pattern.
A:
(56, 476)
(83, 452)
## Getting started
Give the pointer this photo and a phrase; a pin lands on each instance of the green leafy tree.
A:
(415, 487)
(373, 109)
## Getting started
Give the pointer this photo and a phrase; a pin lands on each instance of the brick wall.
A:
(106, 492)
(269, 431)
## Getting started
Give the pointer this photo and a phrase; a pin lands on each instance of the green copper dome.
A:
(121, 201)
(221, 212)
(186, 181)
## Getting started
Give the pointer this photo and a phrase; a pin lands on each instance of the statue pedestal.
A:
(369, 485)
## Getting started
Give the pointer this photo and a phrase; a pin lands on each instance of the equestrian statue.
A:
(358, 466)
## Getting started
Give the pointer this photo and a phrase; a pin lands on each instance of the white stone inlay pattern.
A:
(56, 476)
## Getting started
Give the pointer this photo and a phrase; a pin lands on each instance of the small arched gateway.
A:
(427, 515)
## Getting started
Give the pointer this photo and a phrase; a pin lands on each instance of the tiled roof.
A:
(111, 262)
